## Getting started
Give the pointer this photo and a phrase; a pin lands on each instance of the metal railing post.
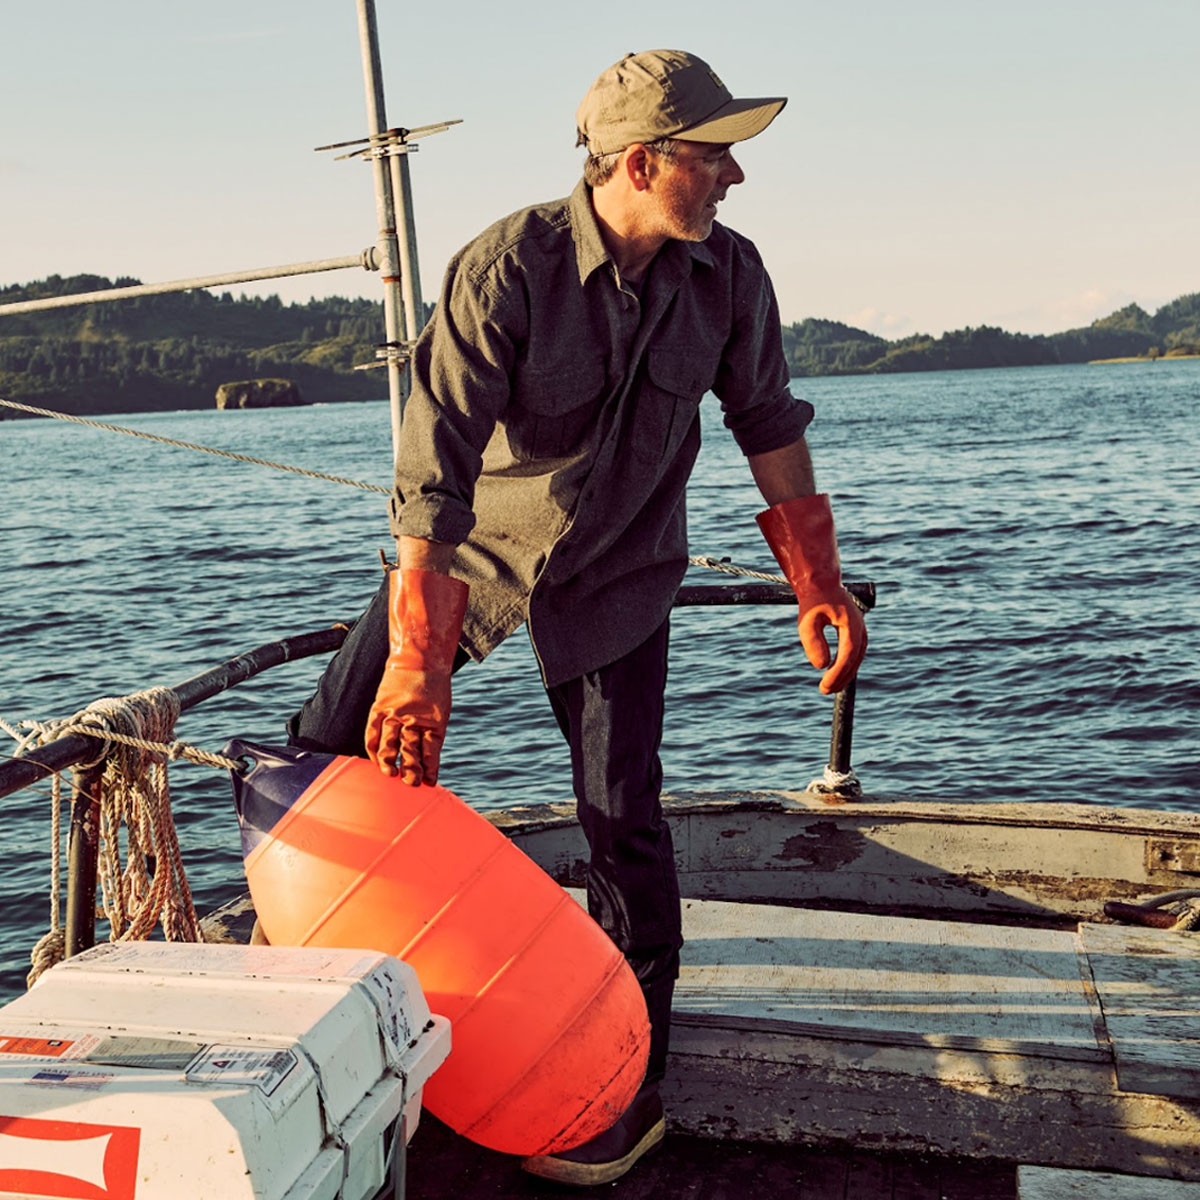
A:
(410, 274)
(843, 729)
(385, 211)
(83, 849)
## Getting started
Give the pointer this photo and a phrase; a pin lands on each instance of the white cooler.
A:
(165, 1071)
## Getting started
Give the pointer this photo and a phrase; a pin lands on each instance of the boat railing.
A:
(77, 751)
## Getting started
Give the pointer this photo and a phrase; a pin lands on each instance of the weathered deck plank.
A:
(909, 1035)
(1044, 1183)
(1037, 861)
(933, 983)
(1149, 990)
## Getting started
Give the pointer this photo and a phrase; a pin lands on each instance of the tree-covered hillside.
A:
(815, 347)
(174, 351)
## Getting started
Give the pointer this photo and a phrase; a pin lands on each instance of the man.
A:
(552, 427)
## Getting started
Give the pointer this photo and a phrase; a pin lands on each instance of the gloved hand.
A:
(801, 536)
(407, 724)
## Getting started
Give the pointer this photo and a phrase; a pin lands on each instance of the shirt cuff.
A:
(435, 518)
(772, 425)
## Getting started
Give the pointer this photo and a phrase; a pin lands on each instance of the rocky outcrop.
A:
(258, 393)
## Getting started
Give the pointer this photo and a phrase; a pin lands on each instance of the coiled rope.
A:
(712, 564)
(136, 743)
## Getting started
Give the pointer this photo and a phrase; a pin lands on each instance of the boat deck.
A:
(1067, 1049)
(821, 1053)
(825, 1053)
(442, 1165)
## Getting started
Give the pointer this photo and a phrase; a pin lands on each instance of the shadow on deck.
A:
(444, 1166)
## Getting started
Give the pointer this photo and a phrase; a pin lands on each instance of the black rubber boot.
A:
(610, 1154)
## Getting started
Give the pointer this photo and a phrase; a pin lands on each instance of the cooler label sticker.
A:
(390, 996)
(41, 1047)
(70, 1159)
(146, 1053)
(47, 1043)
(245, 1066)
(82, 1078)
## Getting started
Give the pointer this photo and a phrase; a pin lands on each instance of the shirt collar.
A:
(590, 251)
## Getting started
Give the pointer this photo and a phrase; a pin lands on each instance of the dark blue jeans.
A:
(612, 720)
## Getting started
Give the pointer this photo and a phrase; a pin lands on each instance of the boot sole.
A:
(563, 1170)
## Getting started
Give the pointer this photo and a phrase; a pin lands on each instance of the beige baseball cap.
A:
(667, 93)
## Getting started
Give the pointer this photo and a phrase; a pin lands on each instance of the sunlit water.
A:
(1032, 533)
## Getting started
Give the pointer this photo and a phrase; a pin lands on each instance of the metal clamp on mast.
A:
(387, 150)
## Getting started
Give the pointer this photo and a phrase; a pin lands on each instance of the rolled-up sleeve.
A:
(461, 382)
(752, 381)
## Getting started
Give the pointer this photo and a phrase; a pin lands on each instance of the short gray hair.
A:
(598, 168)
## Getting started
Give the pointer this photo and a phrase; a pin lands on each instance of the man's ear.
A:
(637, 165)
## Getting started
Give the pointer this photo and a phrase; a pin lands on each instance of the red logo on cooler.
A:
(69, 1159)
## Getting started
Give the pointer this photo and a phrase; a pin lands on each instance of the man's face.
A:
(691, 184)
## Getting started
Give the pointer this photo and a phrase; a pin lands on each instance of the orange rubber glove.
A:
(801, 536)
(407, 724)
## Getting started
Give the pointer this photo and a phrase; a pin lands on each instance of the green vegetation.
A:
(174, 351)
(816, 347)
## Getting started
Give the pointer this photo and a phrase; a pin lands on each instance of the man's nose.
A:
(731, 173)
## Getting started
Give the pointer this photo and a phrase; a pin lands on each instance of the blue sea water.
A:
(1032, 533)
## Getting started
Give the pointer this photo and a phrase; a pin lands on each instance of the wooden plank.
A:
(907, 1035)
(1040, 860)
(1148, 984)
(1046, 1183)
(733, 1083)
(893, 979)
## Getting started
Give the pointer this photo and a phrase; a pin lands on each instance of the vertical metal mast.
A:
(385, 211)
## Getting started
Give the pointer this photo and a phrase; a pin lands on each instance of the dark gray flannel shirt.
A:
(554, 421)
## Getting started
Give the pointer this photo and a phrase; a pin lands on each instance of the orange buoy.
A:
(549, 1032)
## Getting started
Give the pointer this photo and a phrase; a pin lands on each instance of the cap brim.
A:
(735, 121)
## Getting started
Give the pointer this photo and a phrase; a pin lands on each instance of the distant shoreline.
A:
(1140, 358)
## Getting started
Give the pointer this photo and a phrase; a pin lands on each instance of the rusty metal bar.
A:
(366, 259)
(843, 729)
(705, 595)
(83, 849)
(708, 595)
(75, 748)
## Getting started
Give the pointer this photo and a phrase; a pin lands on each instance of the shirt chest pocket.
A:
(554, 408)
(675, 382)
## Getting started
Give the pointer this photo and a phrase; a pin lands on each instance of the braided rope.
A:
(726, 568)
(51, 947)
(85, 723)
(1187, 913)
(135, 746)
(166, 441)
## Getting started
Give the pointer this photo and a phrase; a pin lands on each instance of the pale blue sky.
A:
(1031, 163)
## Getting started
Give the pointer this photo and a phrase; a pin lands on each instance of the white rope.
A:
(166, 441)
(837, 783)
(134, 734)
(1187, 913)
(727, 568)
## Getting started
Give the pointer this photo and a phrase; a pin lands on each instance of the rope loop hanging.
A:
(140, 871)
